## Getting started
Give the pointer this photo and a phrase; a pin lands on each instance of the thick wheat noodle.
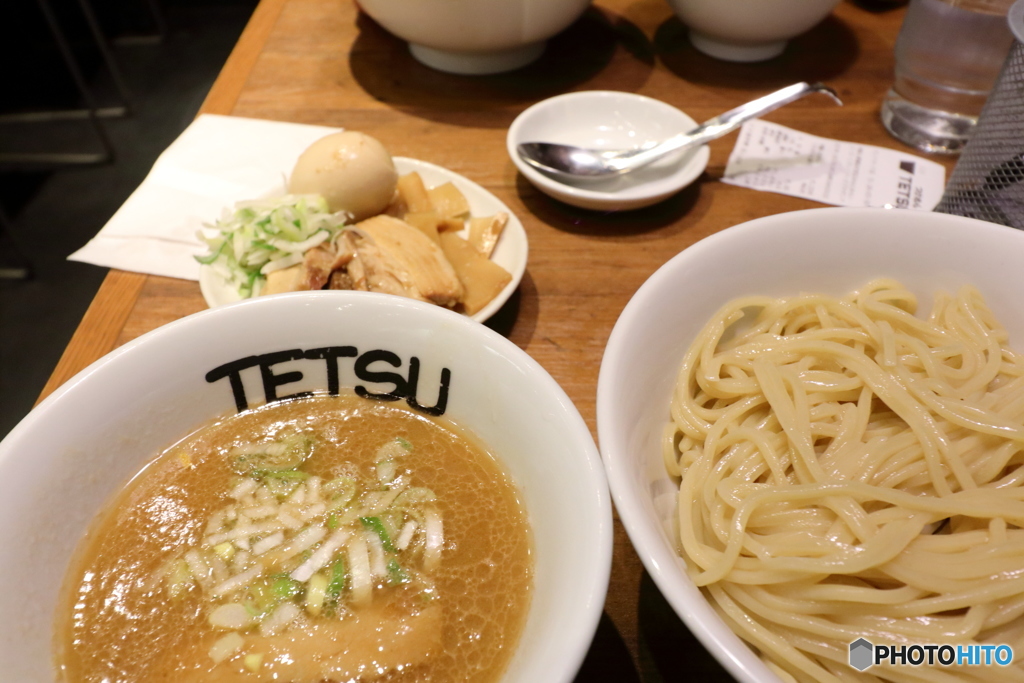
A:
(848, 469)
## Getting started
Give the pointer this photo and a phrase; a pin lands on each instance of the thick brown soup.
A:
(323, 539)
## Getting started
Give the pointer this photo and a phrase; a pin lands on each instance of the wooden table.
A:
(323, 62)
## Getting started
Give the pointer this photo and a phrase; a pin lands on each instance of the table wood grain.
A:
(324, 62)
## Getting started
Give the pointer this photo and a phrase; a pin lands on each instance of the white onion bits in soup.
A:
(318, 539)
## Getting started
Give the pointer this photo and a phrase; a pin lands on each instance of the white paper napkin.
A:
(215, 162)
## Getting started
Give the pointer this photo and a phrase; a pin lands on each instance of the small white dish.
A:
(605, 119)
(510, 253)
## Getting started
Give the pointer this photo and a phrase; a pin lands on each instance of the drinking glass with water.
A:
(948, 56)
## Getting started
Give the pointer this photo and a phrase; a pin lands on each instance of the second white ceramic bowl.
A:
(744, 31)
(831, 251)
(61, 464)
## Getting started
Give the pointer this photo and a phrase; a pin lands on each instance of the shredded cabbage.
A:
(261, 236)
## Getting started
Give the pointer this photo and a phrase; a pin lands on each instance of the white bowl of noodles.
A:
(62, 464)
(866, 438)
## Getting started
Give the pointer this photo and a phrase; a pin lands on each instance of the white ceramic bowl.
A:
(745, 31)
(473, 37)
(832, 251)
(607, 119)
(80, 445)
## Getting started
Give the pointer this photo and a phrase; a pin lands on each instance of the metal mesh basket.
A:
(987, 180)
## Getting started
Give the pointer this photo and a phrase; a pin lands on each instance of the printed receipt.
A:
(774, 158)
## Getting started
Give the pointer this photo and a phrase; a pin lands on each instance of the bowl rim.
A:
(595, 578)
(717, 638)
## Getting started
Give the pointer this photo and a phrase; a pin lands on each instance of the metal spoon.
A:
(566, 162)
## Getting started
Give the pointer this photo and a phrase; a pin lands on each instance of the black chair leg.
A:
(90, 111)
(13, 266)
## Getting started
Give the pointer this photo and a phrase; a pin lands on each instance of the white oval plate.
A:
(510, 253)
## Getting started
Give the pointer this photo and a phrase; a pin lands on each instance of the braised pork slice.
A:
(318, 263)
(386, 254)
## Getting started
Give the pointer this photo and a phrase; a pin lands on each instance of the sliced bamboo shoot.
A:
(412, 193)
(484, 232)
(481, 278)
(448, 201)
(426, 222)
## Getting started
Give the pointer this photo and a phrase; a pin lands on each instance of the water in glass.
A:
(948, 56)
